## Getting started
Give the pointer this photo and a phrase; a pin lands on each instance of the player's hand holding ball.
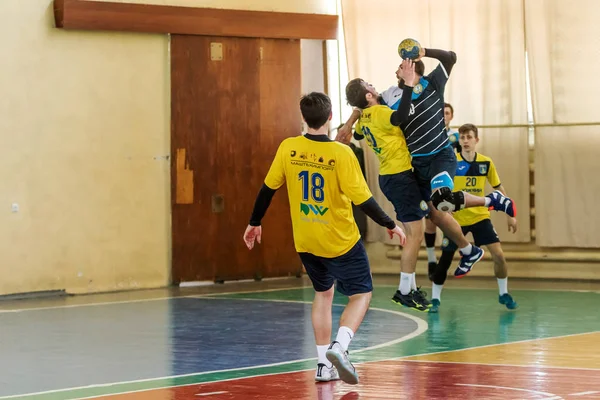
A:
(407, 73)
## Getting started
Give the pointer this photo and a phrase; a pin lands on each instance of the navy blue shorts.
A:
(351, 271)
(483, 233)
(427, 167)
(402, 190)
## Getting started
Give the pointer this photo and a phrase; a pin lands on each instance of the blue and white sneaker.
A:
(500, 202)
(468, 261)
(508, 301)
(326, 374)
(339, 358)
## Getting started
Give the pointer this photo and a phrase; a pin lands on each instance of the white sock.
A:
(405, 283)
(436, 291)
(344, 337)
(503, 286)
(487, 201)
(467, 250)
(413, 281)
(431, 255)
(321, 350)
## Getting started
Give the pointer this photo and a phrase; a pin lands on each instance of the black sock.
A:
(429, 239)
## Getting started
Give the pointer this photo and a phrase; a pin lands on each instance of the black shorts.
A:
(483, 233)
(427, 167)
(403, 192)
(351, 271)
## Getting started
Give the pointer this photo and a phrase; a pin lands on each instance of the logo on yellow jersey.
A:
(317, 210)
(482, 169)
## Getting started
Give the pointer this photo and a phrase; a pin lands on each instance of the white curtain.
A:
(487, 85)
(564, 61)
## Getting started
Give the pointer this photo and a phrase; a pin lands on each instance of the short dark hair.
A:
(420, 67)
(356, 93)
(316, 109)
(468, 127)
(448, 105)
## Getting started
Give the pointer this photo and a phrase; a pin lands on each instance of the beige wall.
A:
(84, 130)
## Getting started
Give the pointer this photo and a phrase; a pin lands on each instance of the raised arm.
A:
(446, 58)
(408, 74)
(345, 132)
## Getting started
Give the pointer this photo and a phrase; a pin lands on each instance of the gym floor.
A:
(254, 340)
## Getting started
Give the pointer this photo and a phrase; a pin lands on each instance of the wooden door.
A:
(229, 114)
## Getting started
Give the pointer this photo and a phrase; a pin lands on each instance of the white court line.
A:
(491, 345)
(109, 303)
(499, 365)
(199, 295)
(584, 393)
(551, 396)
(210, 394)
(421, 328)
(421, 324)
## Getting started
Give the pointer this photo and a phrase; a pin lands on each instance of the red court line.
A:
(399, 380)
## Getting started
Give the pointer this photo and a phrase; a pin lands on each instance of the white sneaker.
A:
(326, 374)
(339, 358)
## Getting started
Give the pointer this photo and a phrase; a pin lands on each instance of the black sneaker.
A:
(421, 297)
(409, 300)
(431, 270)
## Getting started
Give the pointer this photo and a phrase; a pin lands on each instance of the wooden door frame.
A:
(148, 18)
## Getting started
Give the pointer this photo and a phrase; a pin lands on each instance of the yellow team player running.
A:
(323, 179)
(473, 170)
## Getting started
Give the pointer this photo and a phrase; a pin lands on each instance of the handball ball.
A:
(409, 48)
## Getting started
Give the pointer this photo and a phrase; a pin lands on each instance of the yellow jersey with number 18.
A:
(386, 140)
(322, 177)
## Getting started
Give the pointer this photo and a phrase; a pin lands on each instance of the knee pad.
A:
(446, 200)
(441, 271)
(442, 180)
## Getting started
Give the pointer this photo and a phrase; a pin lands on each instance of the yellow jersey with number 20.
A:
(470, 177)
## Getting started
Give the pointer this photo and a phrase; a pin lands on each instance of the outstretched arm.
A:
(372, 209)
(354, 186)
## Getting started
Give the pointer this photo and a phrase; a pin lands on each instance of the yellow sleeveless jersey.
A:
(322, 179)
(386, 140)
(471, 177)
